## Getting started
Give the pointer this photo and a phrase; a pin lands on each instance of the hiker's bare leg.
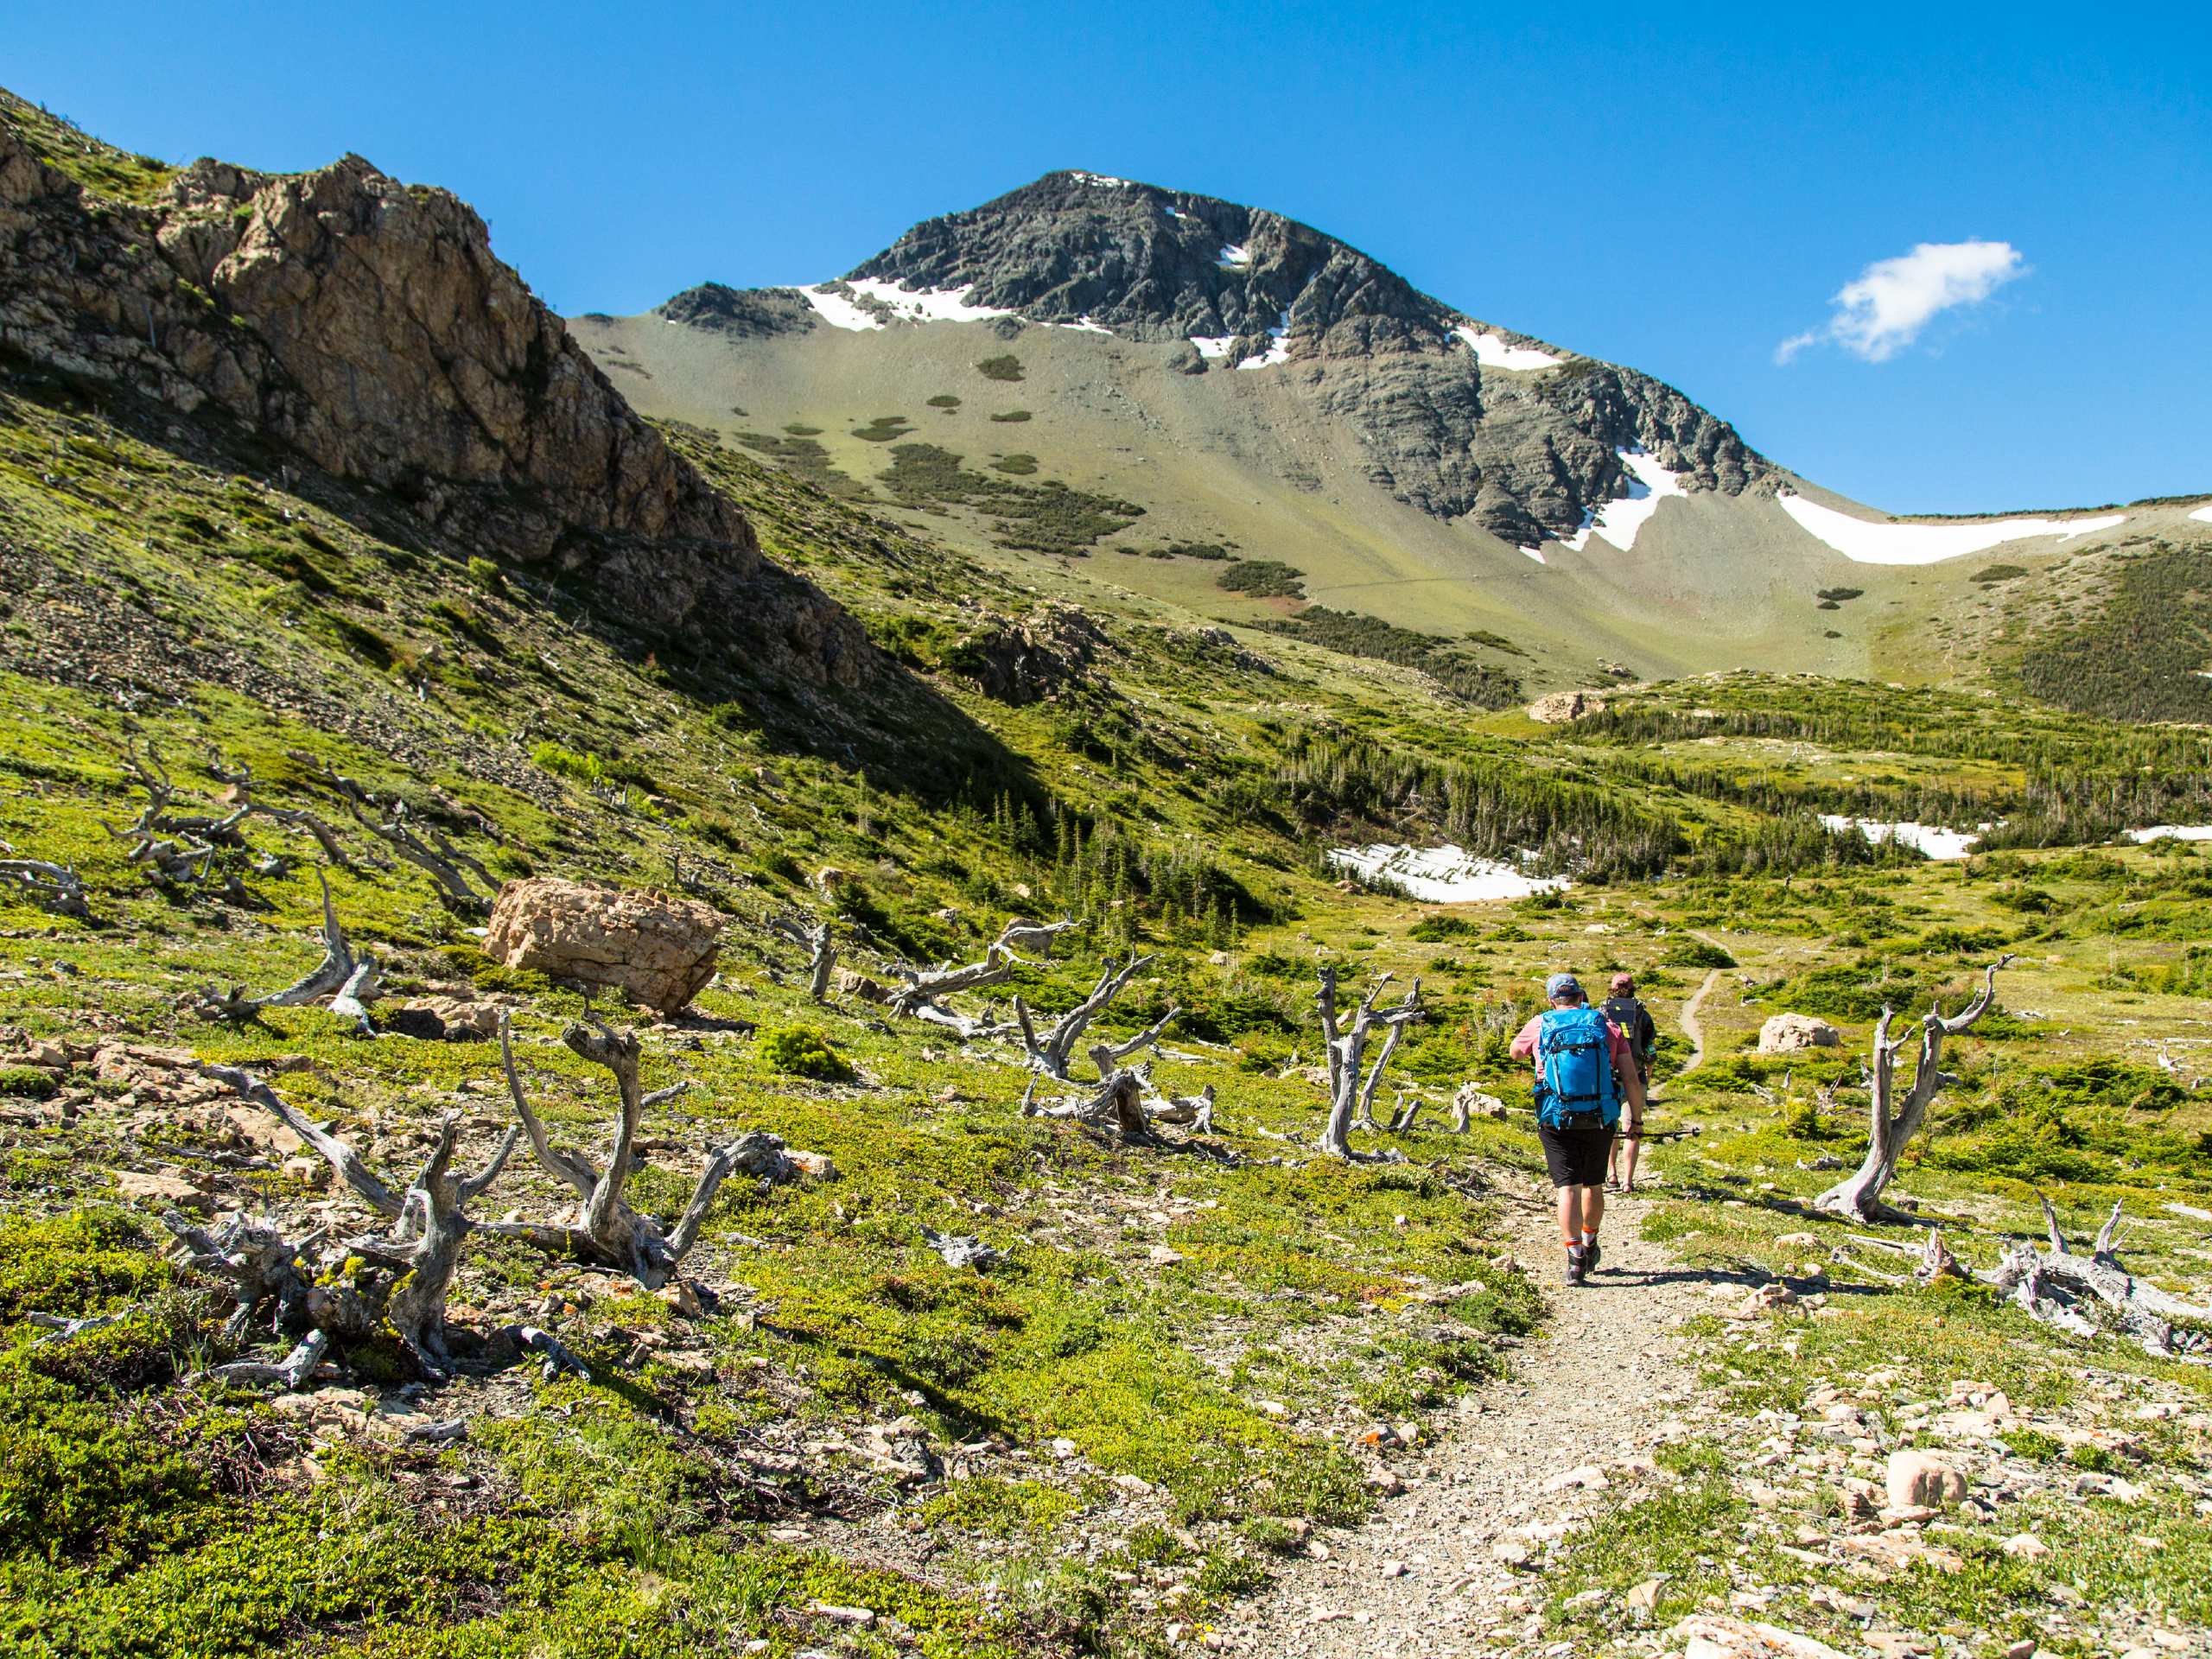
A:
(1570, 1215)
(1594, 1209)
(1627, 1146)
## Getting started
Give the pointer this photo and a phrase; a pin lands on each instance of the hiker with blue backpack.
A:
(1586, 1067)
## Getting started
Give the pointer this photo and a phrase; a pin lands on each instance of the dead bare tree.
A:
(1351, 1095)
(1050, 1053)
(55, 888)
(1021, 935)
(242, 787)
(922, 995)
(1892, 1122)
(2055, 1286)
(815, 939)
(605, 1229)
(1469, 1101)
(1193, 1112)
(410, 1269)
(418, 844)
(1117, 1103)
(349, 979)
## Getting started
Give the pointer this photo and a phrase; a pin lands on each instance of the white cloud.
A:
(1883, 309)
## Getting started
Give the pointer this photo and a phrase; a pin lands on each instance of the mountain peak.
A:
(1156, 264)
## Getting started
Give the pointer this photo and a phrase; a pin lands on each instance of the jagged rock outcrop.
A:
(366, 324)
(748, 313)
(1525, 451)
(1024, 660)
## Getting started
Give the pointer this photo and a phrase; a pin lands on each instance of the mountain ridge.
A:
(1460, 419)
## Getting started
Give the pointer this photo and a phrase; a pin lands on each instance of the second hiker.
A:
(1585, 1069)
(1627, 1012)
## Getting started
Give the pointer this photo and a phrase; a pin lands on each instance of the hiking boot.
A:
(1591, 1254)
(1578, 1264)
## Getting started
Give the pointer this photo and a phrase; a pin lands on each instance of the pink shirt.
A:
(1616, 1044)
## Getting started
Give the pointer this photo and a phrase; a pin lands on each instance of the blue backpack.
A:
(1574, 1069)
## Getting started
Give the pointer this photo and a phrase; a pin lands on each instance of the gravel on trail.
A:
(1438, 1572)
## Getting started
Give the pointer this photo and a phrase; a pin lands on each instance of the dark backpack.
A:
(1635, 1022)
(1575, 1085)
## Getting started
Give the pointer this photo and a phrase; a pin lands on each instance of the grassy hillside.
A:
(1150, 464)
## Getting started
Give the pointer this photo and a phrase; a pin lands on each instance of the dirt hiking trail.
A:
(1692, 1028)
(1433, 1573)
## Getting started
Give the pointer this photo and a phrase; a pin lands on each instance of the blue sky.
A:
(1683, 194)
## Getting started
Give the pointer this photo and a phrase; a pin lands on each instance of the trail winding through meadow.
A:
(1434, 1573)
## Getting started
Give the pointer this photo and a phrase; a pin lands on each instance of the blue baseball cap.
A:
(1560, 985)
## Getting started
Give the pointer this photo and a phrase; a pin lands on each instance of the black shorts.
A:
(1576, 1157)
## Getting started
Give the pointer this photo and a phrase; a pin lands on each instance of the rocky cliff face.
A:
(366, 324)
(1523, 437)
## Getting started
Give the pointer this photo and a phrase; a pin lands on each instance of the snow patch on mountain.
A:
(1213, 346)
(839, 311)
(1931, 839)
(906, 304)
(1444, 875)
(1492, 352)
(1276, 353)
(1101, 181)
(1235, 253)
(2202, 515)
(1620, 520)
(1864, 543)
(927, 304)
(2172, 831)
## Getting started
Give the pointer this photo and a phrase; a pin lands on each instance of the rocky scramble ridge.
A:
(366, 324)
(1524, 453)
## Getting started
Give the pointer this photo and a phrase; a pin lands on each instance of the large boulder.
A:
(1793, 1034)
(1560, 707)
(659, 951)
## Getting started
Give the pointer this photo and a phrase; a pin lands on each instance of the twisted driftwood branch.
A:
(1892, 1122)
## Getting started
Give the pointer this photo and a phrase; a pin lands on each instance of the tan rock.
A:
(265, 1128)
(1793, 1034)
(658, 951)
(1561, 707)
(1711, 1635)
(464, 1019)
(1923, 1480)
(849, 984)
(2025, 1547)
(161, 1189)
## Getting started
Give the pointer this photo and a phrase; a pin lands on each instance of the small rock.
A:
(1709, 1635)
(2025, 1547)
(1921, 1480)
(1589, 1477)
(161, 1189)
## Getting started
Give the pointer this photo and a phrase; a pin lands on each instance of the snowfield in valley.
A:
(1865, 542)
(1444, 875)
(1931, 839)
